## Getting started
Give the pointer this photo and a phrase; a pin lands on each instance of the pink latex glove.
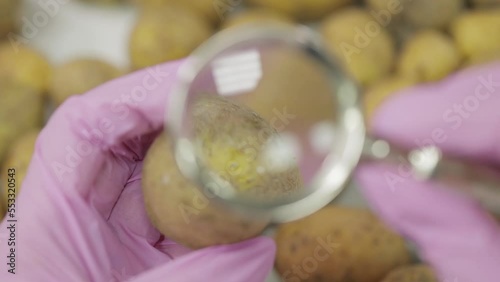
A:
(80, 215)
(461, 115)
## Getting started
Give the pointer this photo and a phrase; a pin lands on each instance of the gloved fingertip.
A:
(451, 230)
(248, 261)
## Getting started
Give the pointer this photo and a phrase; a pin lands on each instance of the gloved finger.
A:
(59, 238)
(132, 226)
(249, 261)
(91, 144)
(451, 231)
(459, 114)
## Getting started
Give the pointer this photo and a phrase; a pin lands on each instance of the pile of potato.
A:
(30, 88)
(385, 45)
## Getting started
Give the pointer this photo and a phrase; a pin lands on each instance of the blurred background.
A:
(52, 49)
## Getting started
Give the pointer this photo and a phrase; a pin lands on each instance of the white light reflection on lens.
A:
(281, 152)
(322, 137)
(237, 73)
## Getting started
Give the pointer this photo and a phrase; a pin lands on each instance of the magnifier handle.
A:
(478, 180)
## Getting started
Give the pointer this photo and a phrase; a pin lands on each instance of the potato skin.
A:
(485, 3)
(420, 14)
(156, 40)
(25, 66)
(208, 9)
(304, 10)
(431, 13)
(367, 58)
(482, 59)
(256, 16)
(18, 157)
(476, 32)
(21, 109)
(338, 244)
(412, 273)
(79, 76)
(289, 75)
(430, 55)
(182, 212)
(9, 10)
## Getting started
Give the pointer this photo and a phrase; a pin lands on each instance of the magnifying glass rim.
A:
(331, 180)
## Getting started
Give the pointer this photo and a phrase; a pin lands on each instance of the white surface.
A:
(77, 30)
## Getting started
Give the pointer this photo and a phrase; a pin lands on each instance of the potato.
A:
(430, 56)
(211, 10)
(293, 84)
(431, 13)
(412, 273)
(180, 210)
(240, 157)
(338, 244)
(79, 76)
(389, 13)
(482, 59)
(104, 2)
(155, 39)
(382, 90)
(9, 10)
(391, 6)
(256, 16)
(362, 44)
(26, 66)
(20, 110)
(18, 158)
(302, 9)
(485, 3)
(476, 33)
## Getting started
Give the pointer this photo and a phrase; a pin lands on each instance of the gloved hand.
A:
(460, 115)
(81, 216)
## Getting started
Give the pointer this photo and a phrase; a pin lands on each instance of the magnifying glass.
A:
(267, 121)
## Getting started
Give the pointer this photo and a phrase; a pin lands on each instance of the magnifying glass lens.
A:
(261, 121)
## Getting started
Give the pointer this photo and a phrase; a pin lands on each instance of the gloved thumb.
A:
(249, 261)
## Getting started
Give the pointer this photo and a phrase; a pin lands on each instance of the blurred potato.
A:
(9, 10)
(26, 66)
(390, 14)
(364, 46)
(430, 55)
(485, 3)
(394, 7)
(293, 84)
(165, 34)
(211, 10)
(477, 33)
(431, 13)
(104, 2)
(79, 76)
(21, 109)
(256, 16)
(483, 58)
(412, 273)
(381, 91)
(18, 157)
(338, 244)
(305, 10)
